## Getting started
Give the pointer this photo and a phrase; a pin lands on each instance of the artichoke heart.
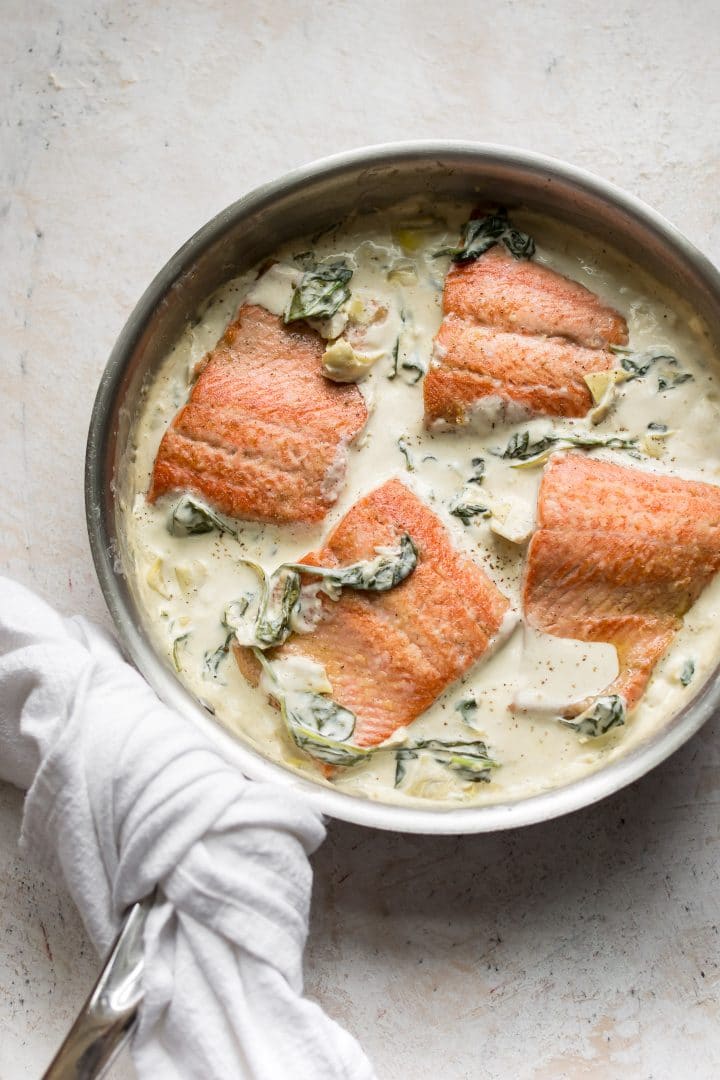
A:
(341, 364)
(601, 385)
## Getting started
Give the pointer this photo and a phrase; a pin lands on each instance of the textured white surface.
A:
(584, 948)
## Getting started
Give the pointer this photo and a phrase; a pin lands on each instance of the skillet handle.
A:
(109, 1014)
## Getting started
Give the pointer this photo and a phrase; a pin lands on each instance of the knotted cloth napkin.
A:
(125, 795)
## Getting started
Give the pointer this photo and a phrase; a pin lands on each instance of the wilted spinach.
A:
(466, 511)
(280, 591)
(480, 234)
(469, 760)
(177, 642)
(389, 567)
(213, 658)
(402, 445)
(478, 471)
(526, 452)
(320, 292)
(604, 714)
(467, 707)
(637, 365)
(318, 725)
(191, 517)
(686, 672)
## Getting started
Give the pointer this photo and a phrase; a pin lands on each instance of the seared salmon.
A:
(519, 333)
(619, 556)
(524, 296)
(535, 374)
(263, 436)
(389, 655)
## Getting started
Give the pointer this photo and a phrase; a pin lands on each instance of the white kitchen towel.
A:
(125, 795)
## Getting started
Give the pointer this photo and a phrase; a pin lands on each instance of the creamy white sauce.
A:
(297, 674)
(558, 672)
(273, 290)
(184, 584)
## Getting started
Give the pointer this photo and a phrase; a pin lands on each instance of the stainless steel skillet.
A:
(309, 200)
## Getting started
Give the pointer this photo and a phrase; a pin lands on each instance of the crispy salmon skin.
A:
(521, 334)
(620, 555)
(263, 436)
(389, 655)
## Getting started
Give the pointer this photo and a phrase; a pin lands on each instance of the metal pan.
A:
(306, 201)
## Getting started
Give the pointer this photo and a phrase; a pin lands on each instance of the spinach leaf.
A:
(319, 713)
(270, 626)
(478, 470)
(670, 379)
(470, 760)
(467, 511)
(402, 445)
(520, 447)
(604, 714)
(467, 707)
(480, 234)
(686, 672)
(234, 612)
(638, 364)
(316, 723)
(385, 571)
(415, 367)
(305, 259)
(280, 591)
(281, 595)
(191, 517)
(177, 642)
(213, 659)
(329, 751)
(392, 374)
(320, 293)
(519, 243)
(526, 453)
(401, 761)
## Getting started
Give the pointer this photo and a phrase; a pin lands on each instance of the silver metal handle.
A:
(108, 1016)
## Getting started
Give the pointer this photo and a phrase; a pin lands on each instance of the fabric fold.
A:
(126, 796)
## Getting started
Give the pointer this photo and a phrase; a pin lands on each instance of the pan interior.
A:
(307, 202)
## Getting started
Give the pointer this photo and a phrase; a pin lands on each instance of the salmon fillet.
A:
(389, 655)
(524, 296)
(538, 375)
(263, 436)
(620, 555)
(521, 334)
